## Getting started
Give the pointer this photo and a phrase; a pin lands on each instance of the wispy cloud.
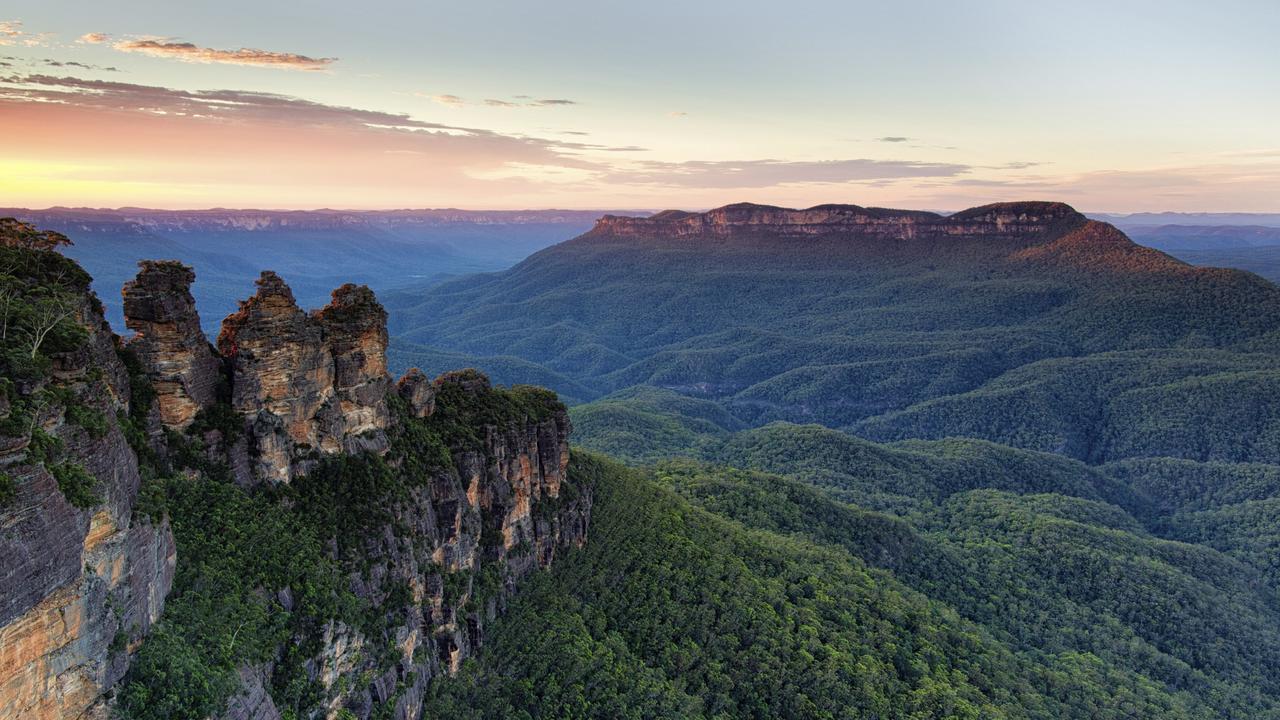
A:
(12, 33)
(448, 100)
(93, 38)
(893, 139)
(677, 114)
(768, 173)
(75, 64)
(517, 101)
(190, 52)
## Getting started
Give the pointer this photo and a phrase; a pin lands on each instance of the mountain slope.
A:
(709, 593)
(868, 319)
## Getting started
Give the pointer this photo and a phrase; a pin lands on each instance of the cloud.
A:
(527, 101)
(74, 64)
(73, 139)
(893, 139)
(93, 38)
(677, 114)
(1017, 165)
(190, 52)
(448, 100)
(767, 173)
(11, 33)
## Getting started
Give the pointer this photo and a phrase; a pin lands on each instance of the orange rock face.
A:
(184, 371)
(79, 587)
(307, 381)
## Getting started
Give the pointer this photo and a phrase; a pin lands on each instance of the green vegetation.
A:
(243, 551)
(682, 607)
(466, 405)
(1083, 344)
(8, 490)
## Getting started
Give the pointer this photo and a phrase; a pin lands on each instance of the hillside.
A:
(891, 324)
(713, 593)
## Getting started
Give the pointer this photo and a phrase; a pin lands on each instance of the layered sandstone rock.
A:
(79, 587)
(307, 382)
(418, 393)
(1021, 219)
(183, 368)
(355, 332)
(503, 509)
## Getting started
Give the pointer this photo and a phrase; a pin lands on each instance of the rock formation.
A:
(484, 500)
(183, 368)
(1022, 220)
(501, 511)
(306, 382)
(79, 586)
(416, 390)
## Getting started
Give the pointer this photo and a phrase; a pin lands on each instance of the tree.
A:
(17, 234)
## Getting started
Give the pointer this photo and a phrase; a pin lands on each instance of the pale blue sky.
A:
(1108, 105)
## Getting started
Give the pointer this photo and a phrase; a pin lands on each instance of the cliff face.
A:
(743, 219)
(80, 584)
(168, 340)
(449, 492)
(458, 543)
(284, 374)
(436, 560)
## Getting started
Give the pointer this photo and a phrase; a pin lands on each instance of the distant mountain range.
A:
(1248, 241)
(1145, 219)
(314, 250)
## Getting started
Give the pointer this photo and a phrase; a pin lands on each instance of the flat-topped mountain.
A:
(889, 323)
(998, 219)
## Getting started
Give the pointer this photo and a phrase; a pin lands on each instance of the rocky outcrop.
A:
(355, 332)
(303, 383)
(183, 368)
(504, 509)
(1022, 220)
(481, 495)
(419, 394)
(307, 381)
(80, 585)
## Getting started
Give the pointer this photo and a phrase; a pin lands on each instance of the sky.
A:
(1117, 106)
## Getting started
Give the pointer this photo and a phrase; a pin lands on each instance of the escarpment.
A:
(84, 566)
(159, 308)
(450, 490)
(350, 537)
(1015, 219)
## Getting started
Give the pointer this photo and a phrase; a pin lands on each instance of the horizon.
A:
(396, 106)
(608, 210)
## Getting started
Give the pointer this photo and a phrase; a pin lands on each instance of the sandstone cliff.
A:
(1025, 220)
(83, 572)
(425, 502)
(473, 492)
